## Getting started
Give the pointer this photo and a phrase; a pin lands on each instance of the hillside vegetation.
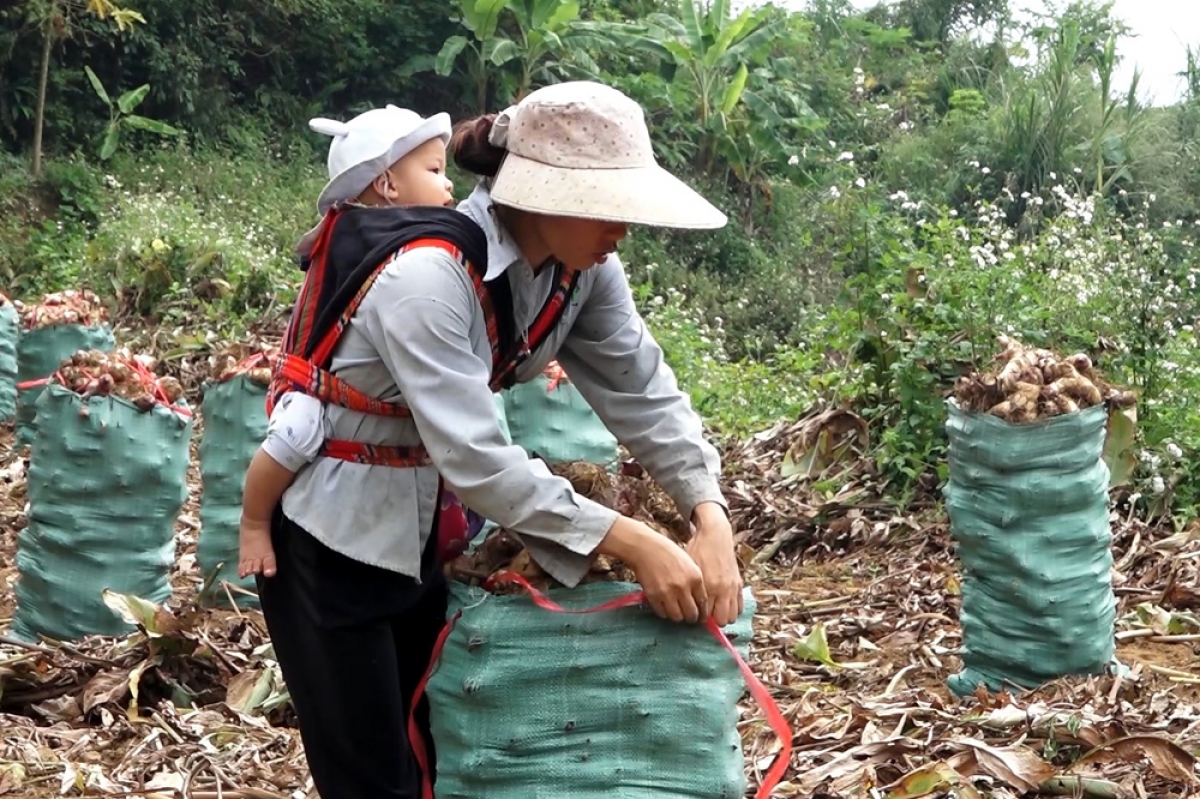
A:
(904, 185)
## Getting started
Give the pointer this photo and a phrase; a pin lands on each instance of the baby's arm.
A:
(295, 434)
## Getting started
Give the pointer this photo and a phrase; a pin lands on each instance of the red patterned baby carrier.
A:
(294, 371)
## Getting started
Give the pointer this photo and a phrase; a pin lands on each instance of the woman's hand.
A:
(712, 549)
(671, 580)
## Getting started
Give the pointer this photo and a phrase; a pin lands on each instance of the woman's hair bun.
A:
(471, 149)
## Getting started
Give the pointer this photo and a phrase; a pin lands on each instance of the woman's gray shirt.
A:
(419, 338)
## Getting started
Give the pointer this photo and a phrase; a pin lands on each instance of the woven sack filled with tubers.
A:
(626, 704)
(550, 418)
(53, 329)
(107, 478)
(235, 423)
(1027, 497)
(10, 332)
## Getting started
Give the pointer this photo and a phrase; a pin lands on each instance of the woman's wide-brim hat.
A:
(582, 149)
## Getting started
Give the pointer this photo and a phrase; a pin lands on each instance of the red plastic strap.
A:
(41, 381)
(762, 696)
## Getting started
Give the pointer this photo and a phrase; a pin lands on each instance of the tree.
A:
(939, 20)
(54, 18)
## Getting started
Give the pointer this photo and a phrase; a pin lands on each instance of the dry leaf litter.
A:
(855, 636)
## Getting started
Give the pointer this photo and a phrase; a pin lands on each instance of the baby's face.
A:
(419, 178)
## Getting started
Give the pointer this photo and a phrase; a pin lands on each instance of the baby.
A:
(298, 427)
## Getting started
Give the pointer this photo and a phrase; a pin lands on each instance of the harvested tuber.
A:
(255, 364)
(69, 307)
(1028, 385)
(634, 494)
(90, 373)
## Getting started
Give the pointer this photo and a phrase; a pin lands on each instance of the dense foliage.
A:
(903, 183)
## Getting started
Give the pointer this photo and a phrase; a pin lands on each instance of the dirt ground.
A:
(854, 637)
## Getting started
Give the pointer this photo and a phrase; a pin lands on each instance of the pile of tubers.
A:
(1029, 384)
(69, 307)
(630, 492)
(90, 373)
(254, 364)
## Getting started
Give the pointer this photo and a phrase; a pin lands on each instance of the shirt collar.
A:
(502, 250)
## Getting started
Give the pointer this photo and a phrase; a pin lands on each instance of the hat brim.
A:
(354, 181)
(647, 195)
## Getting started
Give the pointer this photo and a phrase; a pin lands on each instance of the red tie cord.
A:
(759, 691)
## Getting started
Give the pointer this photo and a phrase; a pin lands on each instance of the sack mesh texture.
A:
(559, 425)
(40, 352)
(530, 704)
(235, 424)
(1028, 507)
(10, 332)
(106, 483)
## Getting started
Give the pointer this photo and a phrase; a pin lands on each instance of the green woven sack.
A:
(10, 332)
(526, 703)
(235, 424)
(1028, 507)
(39, 354)
(557, 425)
(106, 482)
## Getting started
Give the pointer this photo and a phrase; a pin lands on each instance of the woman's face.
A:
(580, 243)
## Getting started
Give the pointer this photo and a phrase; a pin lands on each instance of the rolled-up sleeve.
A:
(295, 431)
(419, 318)
(619, 368)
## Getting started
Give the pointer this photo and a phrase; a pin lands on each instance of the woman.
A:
(358, 598)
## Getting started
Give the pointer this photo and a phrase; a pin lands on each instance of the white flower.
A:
(846, 156)
(1174, 451)
(862, 184)
(986, 170)
(1157, 485)
(834, 192)
(795, 159)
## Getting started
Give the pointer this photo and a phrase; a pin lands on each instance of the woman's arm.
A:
(619, 368)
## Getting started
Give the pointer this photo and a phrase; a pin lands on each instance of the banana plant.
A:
(482, 19)
(120, 115)
(55, 19)
(548, 43)
(714, 51)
